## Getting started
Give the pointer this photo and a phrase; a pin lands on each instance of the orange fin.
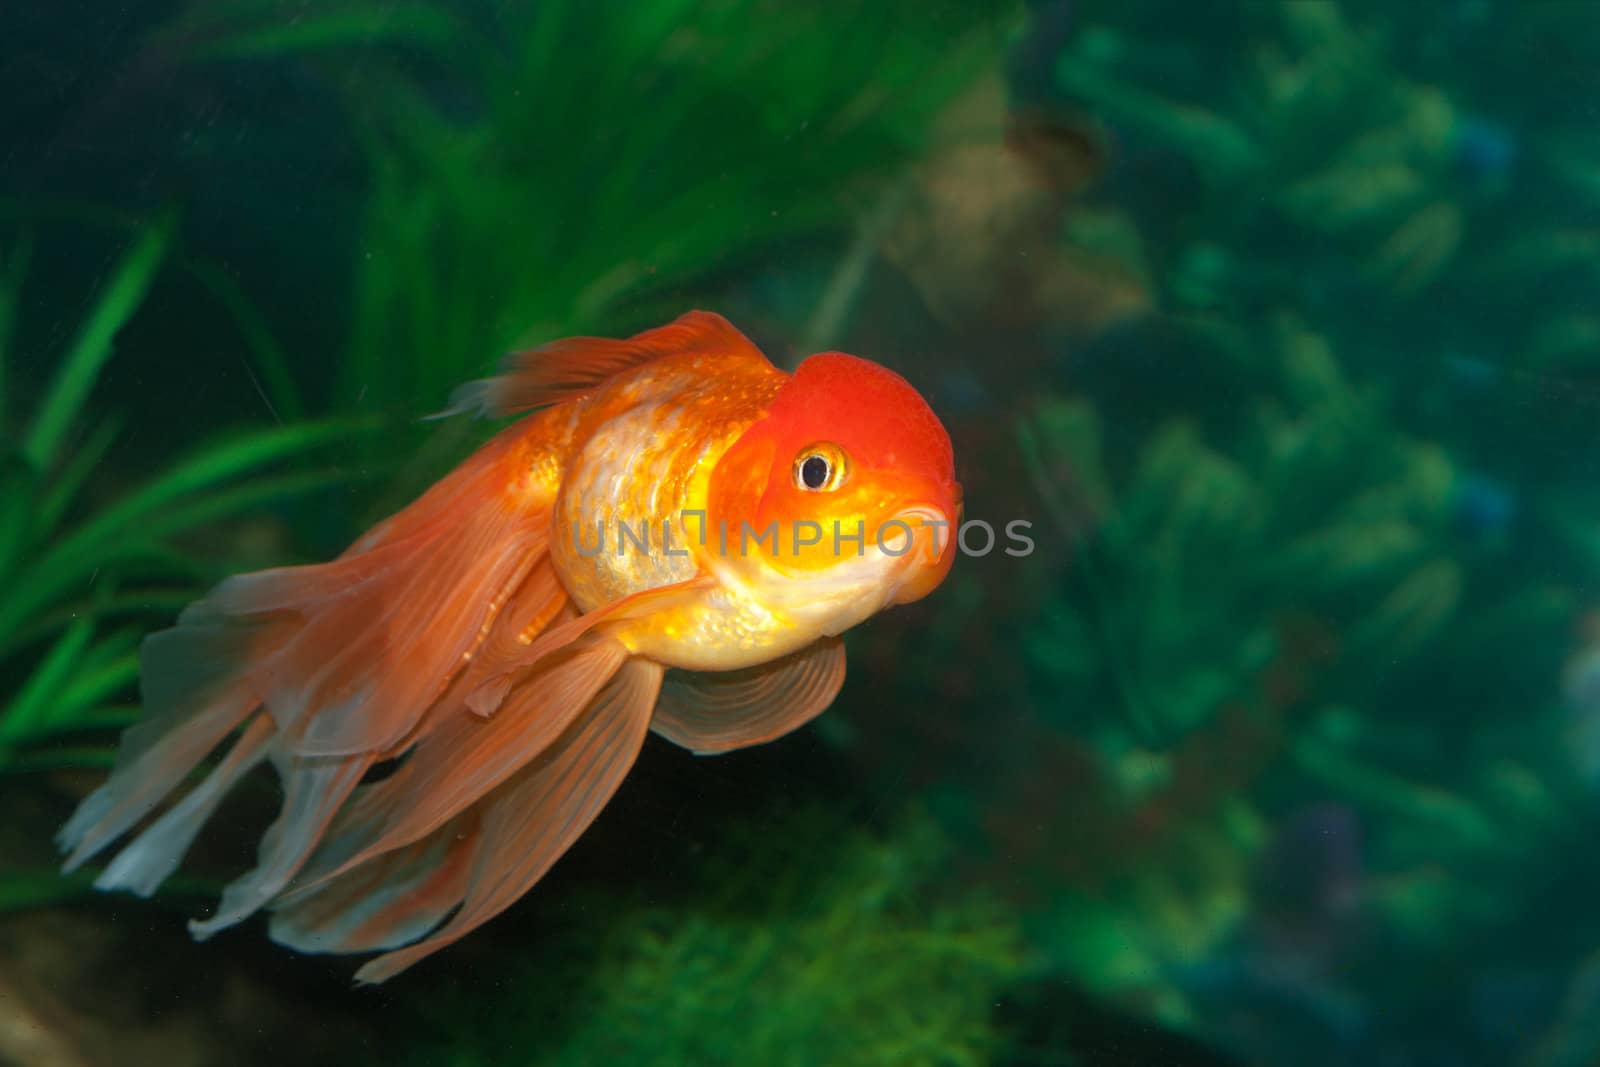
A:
(550, 803)
(633, 606)
(490, 689)
(146, 861)
(313, 790)
(389, 901)
(538, 604)
(385, 626)
(570, 368)
(711, 712)
(521, 694)
(344, 661)
(192, 702)
(465, 757)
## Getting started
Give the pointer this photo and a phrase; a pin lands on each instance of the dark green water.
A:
(1274, 324)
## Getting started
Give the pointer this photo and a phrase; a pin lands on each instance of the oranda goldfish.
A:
(510, 648)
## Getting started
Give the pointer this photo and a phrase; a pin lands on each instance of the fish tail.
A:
(194, 702)
(389, 901)
(321, 671)
(476, 817)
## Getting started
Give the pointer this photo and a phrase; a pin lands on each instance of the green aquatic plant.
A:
(1226, 564)
(1313, 129)
(554, 169)
(1214, 547)
(1320, 506)
(680, 144)
(80, 581)
(805, 942)
(1418, 186)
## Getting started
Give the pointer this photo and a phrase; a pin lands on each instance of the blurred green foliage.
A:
(1309, 124)
(552, 169)
(85, 570)
(1429, 174)
(808, 942)
(1321, 507)
(1364, 413)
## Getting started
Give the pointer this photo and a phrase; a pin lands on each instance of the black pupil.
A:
(814, 472)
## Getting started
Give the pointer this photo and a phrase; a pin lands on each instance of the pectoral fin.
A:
(488, 691)
(711, 712)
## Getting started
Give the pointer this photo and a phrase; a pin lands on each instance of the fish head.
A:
(849, 483)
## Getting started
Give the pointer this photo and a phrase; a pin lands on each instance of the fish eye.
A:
(819, 468)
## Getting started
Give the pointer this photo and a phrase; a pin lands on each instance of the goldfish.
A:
(672, 538)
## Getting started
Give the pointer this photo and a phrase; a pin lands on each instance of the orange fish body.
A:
(676, 501)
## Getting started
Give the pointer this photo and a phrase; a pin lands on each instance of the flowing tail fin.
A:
(485, 856)
(328, 669)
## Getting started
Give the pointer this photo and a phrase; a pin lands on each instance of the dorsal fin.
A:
(564, 370)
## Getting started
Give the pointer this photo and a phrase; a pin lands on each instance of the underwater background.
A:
(1278, 321)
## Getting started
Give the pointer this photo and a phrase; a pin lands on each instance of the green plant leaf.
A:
(134, 533)
(32, 704)
(64, 487)
(297, 31)
(91, 348)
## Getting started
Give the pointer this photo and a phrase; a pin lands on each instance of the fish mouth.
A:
(930, 552)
